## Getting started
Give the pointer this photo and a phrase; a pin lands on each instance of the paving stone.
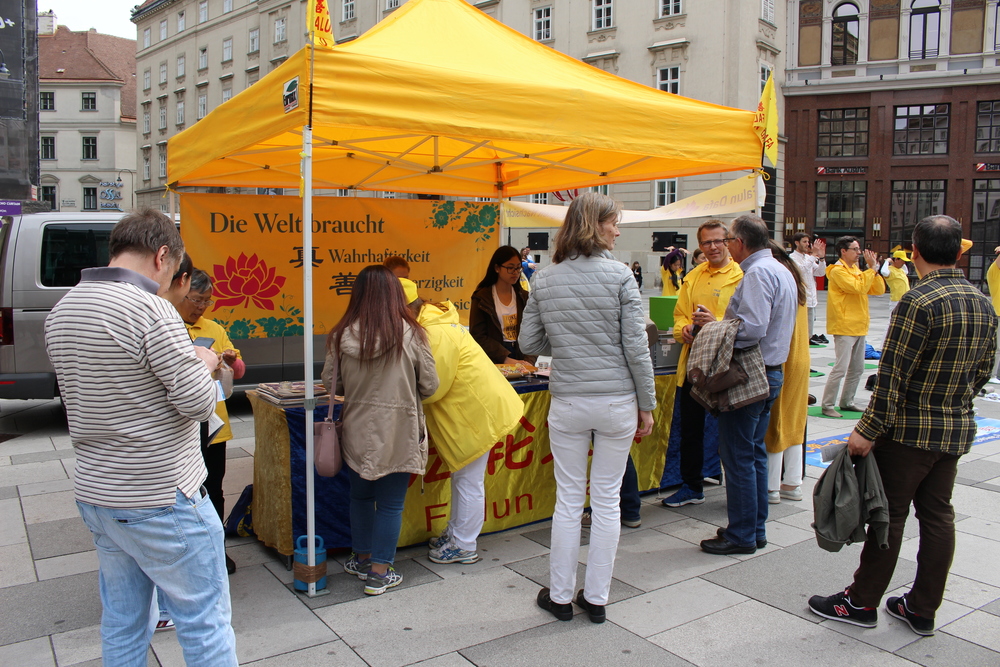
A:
(979, 628)
(4, 460)
(981, 527)
(944, 650)
(16, 566)
(62, 566)
(30, 473)
(979, 471)
(7, 492)
(779, 578)
(657, 611)
(58, 538)
(11, 522)
(34, 457)
(25, 445)
(346, 587)
(331, 653)
(544, 535)
(236, 453)
(49, 507)
(537, 570)
(974, 557)
(771, 637)
(53, 486)
(680, 560)
(494, 603)
(969, 592)
(446, 660)
(604, 644)
(980, 503)
(30, 653)
(49, 607)
(494, 550)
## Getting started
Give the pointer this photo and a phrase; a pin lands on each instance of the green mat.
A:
(817, 411)
(811, 345)
(816, 374)
(869, 367)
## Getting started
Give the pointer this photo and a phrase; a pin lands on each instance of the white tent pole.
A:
(307, 326)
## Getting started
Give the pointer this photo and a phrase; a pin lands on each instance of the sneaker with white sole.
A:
(791, 494)
(897, 607)
(684, 496)
(357, 567)
(376, 584)
(440, 540)
(450, 553)
(164, 624)
(838, 607)
(773, 498)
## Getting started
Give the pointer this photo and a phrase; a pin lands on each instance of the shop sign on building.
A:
(840, 171)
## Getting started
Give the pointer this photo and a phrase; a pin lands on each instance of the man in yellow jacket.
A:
(993, 280)
(702, 298)
(847, 320)
(473, 409)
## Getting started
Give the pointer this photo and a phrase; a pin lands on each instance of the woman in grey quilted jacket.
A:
(585, 310)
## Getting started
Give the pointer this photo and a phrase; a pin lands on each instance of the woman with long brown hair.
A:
(385, 370)
(585, 310)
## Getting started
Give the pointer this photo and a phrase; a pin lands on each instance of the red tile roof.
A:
(89, 56)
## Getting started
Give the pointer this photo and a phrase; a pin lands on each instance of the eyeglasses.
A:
(730, 238)
(854, 249)
(201, 303)
(512, 269)
(718, 243)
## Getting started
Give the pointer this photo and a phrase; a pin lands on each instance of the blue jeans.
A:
(630, 503)
(179, 548)
(377, 514)
(744, 457)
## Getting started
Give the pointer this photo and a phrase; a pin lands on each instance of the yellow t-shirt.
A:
(205, 328)
(707, 287)
(668, 284)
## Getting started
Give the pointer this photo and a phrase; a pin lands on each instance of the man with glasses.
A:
(847, 320)
(810, 257)
(703, 298)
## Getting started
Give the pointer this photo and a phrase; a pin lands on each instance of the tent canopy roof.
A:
(435, 99)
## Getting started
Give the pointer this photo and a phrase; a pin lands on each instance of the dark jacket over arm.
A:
(485, 327)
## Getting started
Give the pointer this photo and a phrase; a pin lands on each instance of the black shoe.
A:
(870, 382)
(920, 624)
(814, 340)
(811, 400)
(723, 547)
(564, 612)
(838, 607)
(822, 339)
(595, 611)
(760, 543)
(230, 565)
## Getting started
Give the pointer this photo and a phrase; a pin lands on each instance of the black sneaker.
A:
(838, 607)
(823, 339)
(920, 624)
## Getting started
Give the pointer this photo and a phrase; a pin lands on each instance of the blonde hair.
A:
(580, 235)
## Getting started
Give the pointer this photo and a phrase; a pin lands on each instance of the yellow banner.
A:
(765, 121)
(520, 485)
(251, 246)
(320, 27)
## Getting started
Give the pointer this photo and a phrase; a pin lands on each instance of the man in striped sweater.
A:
(135, 389)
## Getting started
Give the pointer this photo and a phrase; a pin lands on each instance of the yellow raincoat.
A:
(899, 284)
(474, 406)
(206, 328)
(668, 284)
(993, 280)
(847, 300)
(707, 287)
(787, 426)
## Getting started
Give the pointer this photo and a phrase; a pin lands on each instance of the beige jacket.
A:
(383, 418)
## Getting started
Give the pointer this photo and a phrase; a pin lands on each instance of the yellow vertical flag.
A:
(320, 26)
(765, 121)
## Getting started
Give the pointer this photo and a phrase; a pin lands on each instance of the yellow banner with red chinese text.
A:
(520, 484)
(251, 246)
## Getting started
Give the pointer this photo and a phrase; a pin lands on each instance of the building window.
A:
(227, 6)
(163, 116)
(540, 198)
(921, 130)
(670, 8)
(202, 105)
(49, 195)
(147, 80)
(601, 189)
(145, 167)
(841, 204)
(844, 49)
(842, 133)
(146, 122)
(227, 94)
(180, 112)
(227, 50)
(603, 14)
(348, 10)
(254, 41)
(765, 74)
(925, 28)
(767, 10)
(90, 199)
(543, 23)
(253, 76)
(669, 79)
(145, 38)
(181, 22)
(203, 57)
(988, 127)
(48, 148)
(180, 65)
(985, 226)
(90, 148)
(88, 101)
(202, 11)
(163, 29)
(163, 163)
(279, 30)
(911, 202)
(391, 4)
(666, 192)
(47, 101)
(163, 72)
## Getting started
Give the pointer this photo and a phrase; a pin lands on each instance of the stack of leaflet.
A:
(291, 394)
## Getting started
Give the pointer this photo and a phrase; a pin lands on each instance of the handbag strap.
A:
(333, 386)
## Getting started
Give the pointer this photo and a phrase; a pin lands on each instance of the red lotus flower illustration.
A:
(244, 279)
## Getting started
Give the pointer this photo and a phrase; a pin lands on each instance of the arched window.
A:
(925, 28)
(844, 49)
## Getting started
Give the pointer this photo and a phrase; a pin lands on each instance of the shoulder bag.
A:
(328, 434)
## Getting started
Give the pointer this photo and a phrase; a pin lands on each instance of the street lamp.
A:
(4, 72)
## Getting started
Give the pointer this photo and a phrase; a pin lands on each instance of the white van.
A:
(41, 255)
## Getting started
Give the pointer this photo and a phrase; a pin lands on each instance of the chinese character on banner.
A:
(300, 260)
(343, 283)
(320, 27)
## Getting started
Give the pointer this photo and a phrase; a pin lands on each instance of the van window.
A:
(68, 249)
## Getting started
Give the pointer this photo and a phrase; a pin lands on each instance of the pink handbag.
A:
(328, 434)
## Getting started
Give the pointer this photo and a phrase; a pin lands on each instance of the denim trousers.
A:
(610, 421)
(744, 458)
(178, 548)
(468, 503)
(377, 514)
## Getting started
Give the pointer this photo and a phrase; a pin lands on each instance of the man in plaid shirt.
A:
(938, 354)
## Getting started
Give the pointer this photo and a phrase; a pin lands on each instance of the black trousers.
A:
(692, 440)
(215, 463)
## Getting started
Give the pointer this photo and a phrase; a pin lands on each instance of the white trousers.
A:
(468, 503)
(811, 314)
(791, 458)
(611, 422)
(851, 363)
